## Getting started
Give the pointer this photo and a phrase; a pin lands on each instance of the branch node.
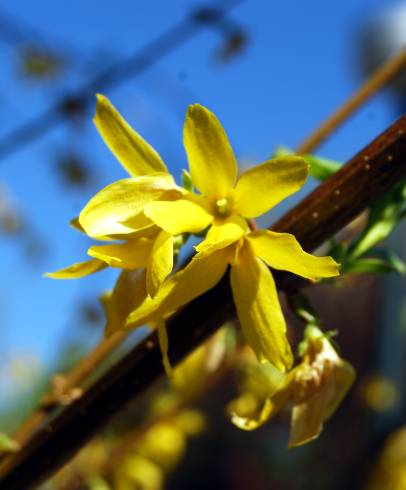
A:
(62, 394)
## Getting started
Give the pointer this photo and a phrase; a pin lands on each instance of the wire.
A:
(77, 103)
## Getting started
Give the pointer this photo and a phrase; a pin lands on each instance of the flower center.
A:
(223, 207)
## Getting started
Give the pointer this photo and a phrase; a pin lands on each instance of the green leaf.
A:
(375, 265)
(7, 444)
(384, 215)
(321, 168)
(337, 250)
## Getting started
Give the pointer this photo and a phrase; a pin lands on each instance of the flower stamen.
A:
(223, 207)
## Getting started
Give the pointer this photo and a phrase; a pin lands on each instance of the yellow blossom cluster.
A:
(140, 219)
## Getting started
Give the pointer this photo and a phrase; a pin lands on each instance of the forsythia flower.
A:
(225, 206)
(314, 389)
(148, 211)
(116, 212)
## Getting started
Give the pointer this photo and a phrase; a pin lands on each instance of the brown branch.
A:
(74, 379)
(318, 217)
(212, 380)
(383, 75)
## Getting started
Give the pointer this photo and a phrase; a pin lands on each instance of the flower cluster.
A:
(143, 218)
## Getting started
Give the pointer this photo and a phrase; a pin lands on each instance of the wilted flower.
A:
(314, 389)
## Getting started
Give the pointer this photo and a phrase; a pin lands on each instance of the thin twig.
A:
(74, 379)
(382, 77)
(324, 212)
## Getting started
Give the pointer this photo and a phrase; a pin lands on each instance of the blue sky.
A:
(300, 63)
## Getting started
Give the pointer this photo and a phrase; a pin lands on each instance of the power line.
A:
(13, 32)
(77, 103)
(16, 32)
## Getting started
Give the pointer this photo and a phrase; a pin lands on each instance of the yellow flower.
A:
(147, 210)
(314, 389)
(226, 205)
(116, 212)
(224, 201)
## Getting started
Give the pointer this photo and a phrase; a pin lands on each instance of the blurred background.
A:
(271, 71)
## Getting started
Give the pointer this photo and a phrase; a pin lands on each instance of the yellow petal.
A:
(80, 269)
(117, 209)
(336, 376)
(130, 149)
(133, 254)
(176, 217)
(262, 187)
(259, 310)
(164, 346)
(307, 421)
(344, 376)
(251, 421)
(264, 392)
(160, 262)
(195, 279)
(282, 251)
(271, 406)
(149, 231)
(221, 235)
(211, 159)
(129, 291)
